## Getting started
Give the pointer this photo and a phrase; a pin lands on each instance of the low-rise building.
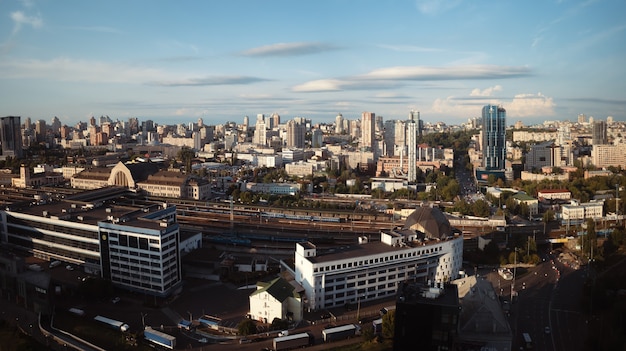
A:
(554, 194)
(582, 211)
(272, 188)
(277, 298)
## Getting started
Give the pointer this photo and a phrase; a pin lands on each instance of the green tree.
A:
(389, 324)
(481, 208)
(186, 155)
(246, 327)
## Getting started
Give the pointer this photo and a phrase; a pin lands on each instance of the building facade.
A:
(424, 251)
(136, 248)
(368, 129)
(11, 137)
(494, 132)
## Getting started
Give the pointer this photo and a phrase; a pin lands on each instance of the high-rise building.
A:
(581, 118)
(295, 134)
(11, 136)
(368, 129)
(260, 133)
(418, 122)
(274, 120)
(598, 133)
(411, 137)
(400, 138)
(339, 124)
(389, 137)
(40, 130)
(494, 134)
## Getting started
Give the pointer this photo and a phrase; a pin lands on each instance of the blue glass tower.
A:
(494, 132)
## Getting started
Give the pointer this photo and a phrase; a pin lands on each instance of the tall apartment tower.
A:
(389, 137)
(418, 122)
(295, 134)
(339, 124)
(411, 142)
(494, 133)
(11, 136)
(274, 120)
(260, 133)
(598, 133)
(400, 138)
(368, 129)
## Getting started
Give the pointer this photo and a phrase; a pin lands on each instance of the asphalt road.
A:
(548, 296)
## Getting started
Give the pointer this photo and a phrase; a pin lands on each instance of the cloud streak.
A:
(209, 81)
(394, 76)
(289, 49)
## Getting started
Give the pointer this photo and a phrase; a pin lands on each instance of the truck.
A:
(159, 338)
(293, 341)
(341, 332)
(77, 311)
(113, 323)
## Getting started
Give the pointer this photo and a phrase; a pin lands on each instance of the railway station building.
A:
(423, 250)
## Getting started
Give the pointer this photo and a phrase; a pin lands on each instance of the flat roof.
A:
(367, 249)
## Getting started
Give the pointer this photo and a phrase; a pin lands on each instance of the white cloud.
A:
(447, 73)
(530, 105)
(522, 105)
(487, 92)
(319, 85)
(20, 19)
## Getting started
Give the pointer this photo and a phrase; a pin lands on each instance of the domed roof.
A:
(430, 221)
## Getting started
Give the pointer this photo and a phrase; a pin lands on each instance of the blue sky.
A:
(176, 61)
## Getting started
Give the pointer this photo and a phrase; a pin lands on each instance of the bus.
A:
(528, 342)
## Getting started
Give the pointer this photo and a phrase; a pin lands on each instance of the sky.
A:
(177, 61)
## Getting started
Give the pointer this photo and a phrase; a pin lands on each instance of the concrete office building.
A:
(423, 250)
(11, 137)
(135, 247)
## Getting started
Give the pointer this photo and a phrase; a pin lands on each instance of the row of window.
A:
(384, 259)
(31, 246)
(52, 227)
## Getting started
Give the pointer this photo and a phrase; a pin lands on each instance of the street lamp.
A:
(514, 271)
(358, 307)
(143, 320)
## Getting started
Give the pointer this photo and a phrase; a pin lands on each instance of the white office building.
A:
(423, 250)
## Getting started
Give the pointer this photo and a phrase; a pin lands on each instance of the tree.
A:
(389, 324)
(185, 155)
(246, 327)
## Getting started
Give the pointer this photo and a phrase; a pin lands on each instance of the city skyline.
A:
(221, 61)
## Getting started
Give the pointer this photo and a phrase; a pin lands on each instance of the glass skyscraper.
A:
(494, 132)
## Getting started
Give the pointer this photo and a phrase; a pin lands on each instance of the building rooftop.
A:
(91, 207)
(436, 294)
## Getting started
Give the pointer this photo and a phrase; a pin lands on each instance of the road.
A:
(548, 296)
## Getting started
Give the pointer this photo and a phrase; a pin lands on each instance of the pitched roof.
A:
(429, 220)
(279, 288)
